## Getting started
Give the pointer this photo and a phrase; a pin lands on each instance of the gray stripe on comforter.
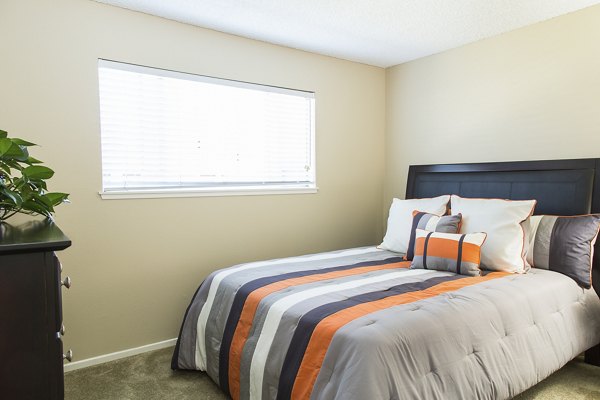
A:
(187, 338)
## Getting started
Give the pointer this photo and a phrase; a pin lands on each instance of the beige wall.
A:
(136, 263)
(533, 93)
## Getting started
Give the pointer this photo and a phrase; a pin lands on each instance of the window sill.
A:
(204, 192)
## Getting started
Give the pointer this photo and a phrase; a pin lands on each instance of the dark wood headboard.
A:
(561, 187)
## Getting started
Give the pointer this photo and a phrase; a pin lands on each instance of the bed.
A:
(358, 323)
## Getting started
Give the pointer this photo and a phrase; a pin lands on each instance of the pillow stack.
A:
(491, 234)
(410, 221)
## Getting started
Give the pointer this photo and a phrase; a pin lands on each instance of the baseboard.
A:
(119, 354)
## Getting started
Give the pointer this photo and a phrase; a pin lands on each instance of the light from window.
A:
(165, 131)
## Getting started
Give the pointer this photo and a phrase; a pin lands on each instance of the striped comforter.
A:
(359, 324)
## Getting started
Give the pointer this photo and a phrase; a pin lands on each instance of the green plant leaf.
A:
(9, 149)
(37, 172)
(14, 197)
(3, 134)
(37, 185)
(5, 167)
(30, 160)
(8, 198)
(13, 164)
(55, 198)
(17, 152)
(30, 205)
(43, 201)
(5, 145)
(24, 189)
(22, 142)
(24, 154)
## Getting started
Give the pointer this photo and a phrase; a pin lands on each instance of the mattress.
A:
(359, 324)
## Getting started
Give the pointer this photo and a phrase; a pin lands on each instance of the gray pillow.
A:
(565, 245)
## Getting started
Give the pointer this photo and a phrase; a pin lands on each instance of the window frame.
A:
(210, 190)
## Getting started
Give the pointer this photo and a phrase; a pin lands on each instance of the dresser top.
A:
(31, 236)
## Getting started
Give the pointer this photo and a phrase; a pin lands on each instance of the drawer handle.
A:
(66, 282)
(68, 356)
(62, 330)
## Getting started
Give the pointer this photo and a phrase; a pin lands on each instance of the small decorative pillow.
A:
(432, 223)
(450, 252)
(565, 245)
(400, 220)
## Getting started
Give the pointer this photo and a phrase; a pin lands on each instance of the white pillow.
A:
(506, 245)
(400, 219)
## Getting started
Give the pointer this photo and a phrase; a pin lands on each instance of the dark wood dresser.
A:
(31, 351)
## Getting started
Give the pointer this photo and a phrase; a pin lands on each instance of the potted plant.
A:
(23, 186)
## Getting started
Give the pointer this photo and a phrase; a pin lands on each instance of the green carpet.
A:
(148, 377)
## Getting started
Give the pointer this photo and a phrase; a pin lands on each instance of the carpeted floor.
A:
(149, 377)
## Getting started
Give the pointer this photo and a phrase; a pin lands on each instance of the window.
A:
(169, 133)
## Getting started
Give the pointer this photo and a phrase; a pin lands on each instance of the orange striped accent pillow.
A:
(451, 252)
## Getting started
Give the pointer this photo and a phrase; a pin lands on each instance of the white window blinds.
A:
(165, 130)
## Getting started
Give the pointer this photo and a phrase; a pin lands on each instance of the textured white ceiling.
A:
(376, 32)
